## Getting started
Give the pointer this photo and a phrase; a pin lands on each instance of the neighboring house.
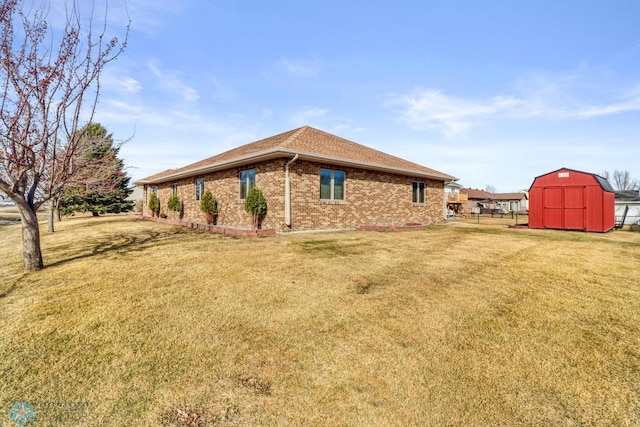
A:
(312, 180)
(477, 200)
(511, 202)
(454, 200)
(629, 201)
(137, 196)
(480, 201)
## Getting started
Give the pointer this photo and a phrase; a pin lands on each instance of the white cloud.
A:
(146, 16)
(431, 108)
(116, 82)
(299, 67)
(537, 98)
(266, 113)
(171, 82)
(306, 116)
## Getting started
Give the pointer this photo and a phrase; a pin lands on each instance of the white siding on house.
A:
(633, 215)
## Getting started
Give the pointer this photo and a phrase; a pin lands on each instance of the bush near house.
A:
(174, 203)
(209, 206)
(154, 204)
(256, 205)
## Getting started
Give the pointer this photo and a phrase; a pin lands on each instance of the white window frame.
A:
(418, 190)
(332, 185)
(248, 184)
(199, 188)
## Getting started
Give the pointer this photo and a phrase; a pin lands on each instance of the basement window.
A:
(331, 184)
(418, 192)
(247, 180)
(199, 188)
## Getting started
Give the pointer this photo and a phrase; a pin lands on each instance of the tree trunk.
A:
(57, 208)
(50, 216)
(30, 239)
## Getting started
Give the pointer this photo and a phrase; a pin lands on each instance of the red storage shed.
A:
(568, 199)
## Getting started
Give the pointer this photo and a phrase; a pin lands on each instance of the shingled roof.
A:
(476, 194)
(310, 144)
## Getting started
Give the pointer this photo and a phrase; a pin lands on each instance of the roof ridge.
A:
(360, 145)
(294, 135)
(306, 140)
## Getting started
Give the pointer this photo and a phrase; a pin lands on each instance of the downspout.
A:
(287, 193)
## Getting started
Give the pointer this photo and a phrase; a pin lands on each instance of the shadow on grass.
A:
(333, 248)
(7, 291)
(79, 222)
(116, 244)
(13, 287)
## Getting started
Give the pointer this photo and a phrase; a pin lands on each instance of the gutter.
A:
(287, 192)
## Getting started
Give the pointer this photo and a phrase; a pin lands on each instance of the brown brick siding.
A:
(224, 185)
(371, 198)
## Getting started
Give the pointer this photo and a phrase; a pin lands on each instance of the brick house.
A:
(312, 180)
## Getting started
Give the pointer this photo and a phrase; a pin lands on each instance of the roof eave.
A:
(280, 152)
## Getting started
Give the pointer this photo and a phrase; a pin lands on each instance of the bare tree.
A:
(48, 85)
(489, 188)
(622, 180)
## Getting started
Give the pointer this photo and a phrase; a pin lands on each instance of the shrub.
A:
(209, 206)
(256, 205)
(154, 204)
(174, 203)
(208, 203)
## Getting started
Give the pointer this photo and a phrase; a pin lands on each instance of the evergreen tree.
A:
(107, 185)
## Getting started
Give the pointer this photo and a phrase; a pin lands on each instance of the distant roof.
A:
(484, 195)
(508, 196)
(627, 196)
(310, 144)
(475, 193)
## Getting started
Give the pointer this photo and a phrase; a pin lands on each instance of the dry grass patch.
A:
(458, 324)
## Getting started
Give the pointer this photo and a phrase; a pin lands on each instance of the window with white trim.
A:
(418, 192)
(199, 188)
(247, 180)
(332, 184)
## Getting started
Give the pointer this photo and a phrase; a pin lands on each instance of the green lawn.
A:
(139, 323)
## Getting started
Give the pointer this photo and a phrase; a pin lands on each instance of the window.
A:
(154, 189)
(247, 180)
(199, 188)
(331, 184)
(174, 189)
(418, 192)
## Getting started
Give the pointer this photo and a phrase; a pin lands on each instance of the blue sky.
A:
(492, 92)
